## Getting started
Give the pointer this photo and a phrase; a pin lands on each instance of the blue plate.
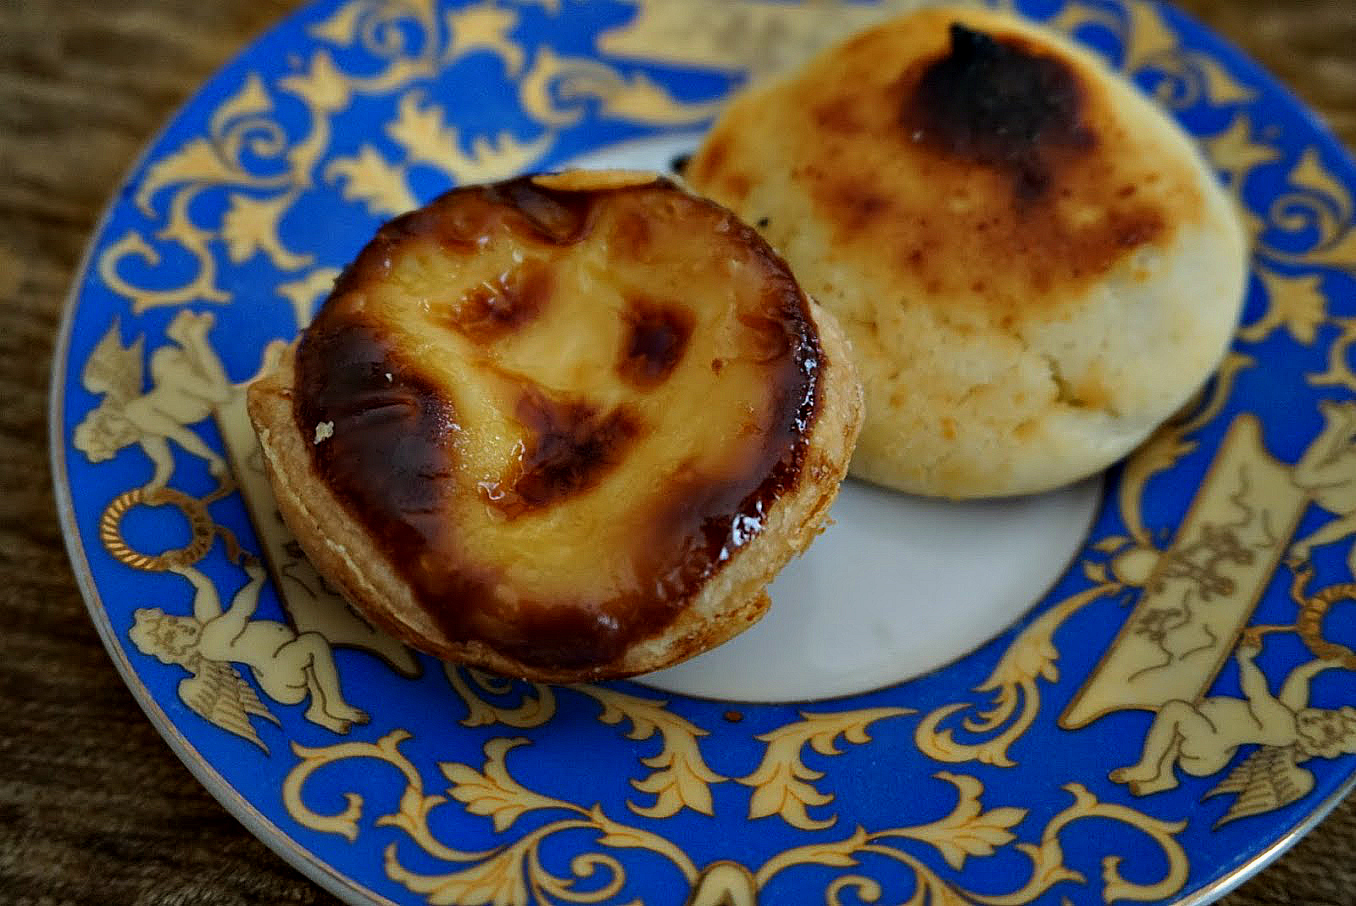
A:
(1172, 713)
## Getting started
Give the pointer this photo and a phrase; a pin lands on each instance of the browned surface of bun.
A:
(1033, 264)
(563, 428)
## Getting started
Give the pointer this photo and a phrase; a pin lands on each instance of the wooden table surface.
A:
(94, 808)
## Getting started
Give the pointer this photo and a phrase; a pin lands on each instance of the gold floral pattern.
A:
(515, 873)
(782, 783)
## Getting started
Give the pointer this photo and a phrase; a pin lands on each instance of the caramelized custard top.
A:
(559, 405)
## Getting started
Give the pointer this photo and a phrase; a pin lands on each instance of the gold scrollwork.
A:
(972, 832)
(401, 32)
(536, 706)
(680, 777)
(244, 131)
(1317, 212)
(1013, 682)
(414, 805)
(1237, 152)
(1339, 372)
(1047, 858)
(1295, 302)
(1184, 77)
(555, 89)
(421, 130)
(245, 127)
(484, 26)
(241, 126)
(782, 782)
(511, 873)
(514, 872)
(969, 831)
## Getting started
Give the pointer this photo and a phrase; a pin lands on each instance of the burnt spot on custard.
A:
(654, 340)
(506, 304)
(1000, 103)
(570, 446)
(716, 518)
(392, 455)
(387, 456)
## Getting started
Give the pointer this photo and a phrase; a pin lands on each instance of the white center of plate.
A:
(897, 585)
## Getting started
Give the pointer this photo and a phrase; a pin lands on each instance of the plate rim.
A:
(305, 861)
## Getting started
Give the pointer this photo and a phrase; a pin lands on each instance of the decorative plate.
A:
(1175, 708)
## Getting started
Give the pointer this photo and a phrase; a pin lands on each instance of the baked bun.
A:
(565, 427)
(1034, 265)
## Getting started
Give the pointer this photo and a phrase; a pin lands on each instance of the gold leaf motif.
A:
(345, 822)
(251, 100)
(535, 708)
(1150, 45)
(1318, 212)
(1047, 870)
(513, 875)
(1339, 373)
(237, 125)
(555, 90)
(375, 25)
(368, 178)
(973, 831)
(968, 830)
(1294, 301)
(499, 880)
(1076, 15)
(1163, 833)
(201, 288)
(1168, 445)
(724, 884)
(781, 782)
(305, 294)
(681, 778)
(508, 874)
(494, 793)
(1235, 153)
(1310, 174)
(322, 86)
(624, 836)
(252, 225)
(833, 853)
(325, 92)
(484, 26)
(342, 27)
(196, 162)
(240, 123)
(421, 131)
(1109, 543)
(1013, 681)
(428, 139)
(404, 33)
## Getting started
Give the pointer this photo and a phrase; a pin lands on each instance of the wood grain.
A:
(94, 808)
